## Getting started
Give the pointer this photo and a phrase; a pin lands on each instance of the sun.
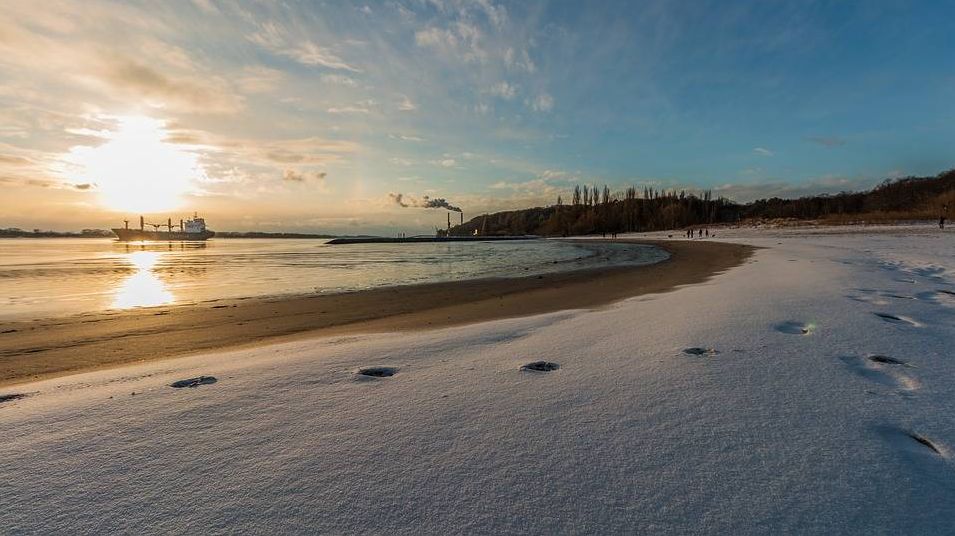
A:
(135, 170)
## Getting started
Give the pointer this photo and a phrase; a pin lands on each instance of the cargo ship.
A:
(193, 229)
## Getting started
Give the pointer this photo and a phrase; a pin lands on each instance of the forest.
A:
(591, 209)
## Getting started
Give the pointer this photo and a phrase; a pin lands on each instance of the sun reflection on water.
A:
(143, 288)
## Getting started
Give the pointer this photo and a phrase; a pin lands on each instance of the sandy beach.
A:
(44, 348)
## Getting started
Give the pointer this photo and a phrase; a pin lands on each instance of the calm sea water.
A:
(42, 278)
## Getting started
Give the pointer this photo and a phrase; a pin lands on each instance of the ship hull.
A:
(135, 235)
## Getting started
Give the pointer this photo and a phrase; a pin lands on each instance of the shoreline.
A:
(45, 348)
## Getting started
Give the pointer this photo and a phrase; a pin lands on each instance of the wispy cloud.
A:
(278, 40)
(520, 61)
(348, 110)
(339, 79)
(541, 103)
(405, 105)
(503, 90)
(259, 79)
(406, 137)
(762, 151)
(461, 40)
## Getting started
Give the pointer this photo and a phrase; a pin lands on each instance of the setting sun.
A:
(135, 170)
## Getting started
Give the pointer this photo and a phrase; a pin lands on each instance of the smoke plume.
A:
(399, 199)
(439, 202)
(403, 200)
(291, 175)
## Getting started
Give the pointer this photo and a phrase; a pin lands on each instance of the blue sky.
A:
(307, 115)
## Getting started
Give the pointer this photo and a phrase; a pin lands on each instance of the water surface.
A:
(54, 277)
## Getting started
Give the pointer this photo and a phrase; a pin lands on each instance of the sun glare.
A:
(143, 288)
(135, 170)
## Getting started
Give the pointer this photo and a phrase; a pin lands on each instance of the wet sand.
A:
(38, 349)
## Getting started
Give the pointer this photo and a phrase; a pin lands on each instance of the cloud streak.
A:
(278, 40)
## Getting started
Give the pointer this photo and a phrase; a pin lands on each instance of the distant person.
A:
(707, 233)
(941, 222)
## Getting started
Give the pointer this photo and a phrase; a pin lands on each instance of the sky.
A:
(310, 116)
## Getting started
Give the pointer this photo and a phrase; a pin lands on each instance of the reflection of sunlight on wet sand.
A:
(143, 288)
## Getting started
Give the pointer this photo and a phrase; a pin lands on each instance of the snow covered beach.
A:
(822, 402)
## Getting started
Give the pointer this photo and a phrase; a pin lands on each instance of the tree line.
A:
(592, 209)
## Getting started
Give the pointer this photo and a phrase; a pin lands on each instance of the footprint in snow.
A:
(696, 350)
(914, 442)
(377, 372)
(930, 272)
(194, 382)
(897, 319)
(887, 360)
(925, 442)
(540, 366)
(872, 300)
(900, 296)
(883, 370)
(796, 328)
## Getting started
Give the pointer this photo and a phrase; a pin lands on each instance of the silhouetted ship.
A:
(194, 229)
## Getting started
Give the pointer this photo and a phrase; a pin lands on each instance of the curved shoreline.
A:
(38, 349)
